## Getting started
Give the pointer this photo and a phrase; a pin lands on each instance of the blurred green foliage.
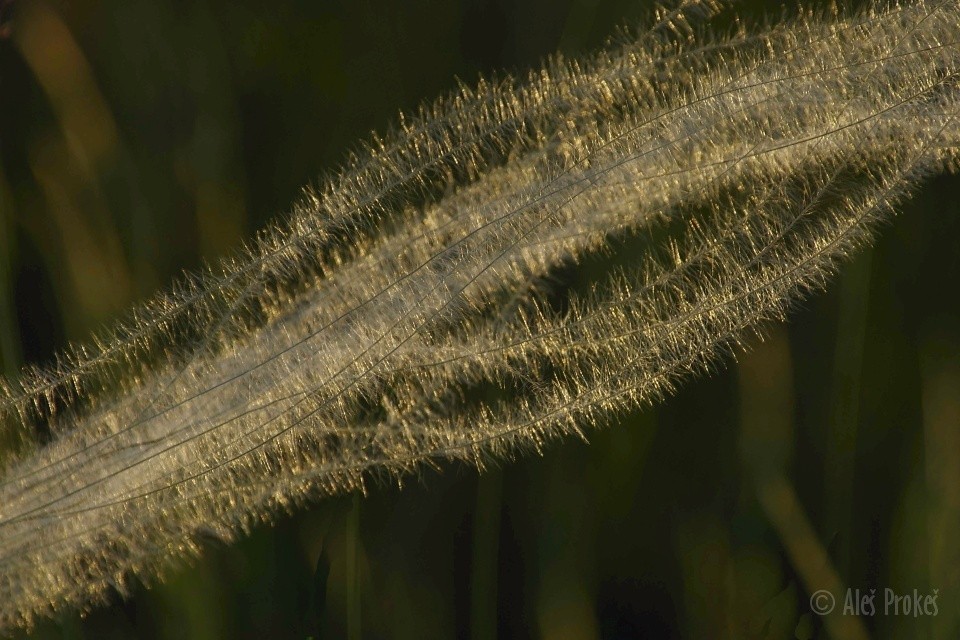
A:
(138, 138)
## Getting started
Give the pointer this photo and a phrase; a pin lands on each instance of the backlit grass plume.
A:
(360, 337)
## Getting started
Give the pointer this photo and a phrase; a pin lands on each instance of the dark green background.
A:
(138, 138)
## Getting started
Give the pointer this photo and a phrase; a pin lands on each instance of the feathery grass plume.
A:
(344, 343)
